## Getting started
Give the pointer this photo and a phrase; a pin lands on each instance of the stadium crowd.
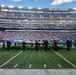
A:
(7, 14)
(26, 20)
(37, 35)
(40, 21)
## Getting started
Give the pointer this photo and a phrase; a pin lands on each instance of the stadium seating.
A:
(37, 35)
(38, 21)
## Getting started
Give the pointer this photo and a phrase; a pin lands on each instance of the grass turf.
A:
(37, 59)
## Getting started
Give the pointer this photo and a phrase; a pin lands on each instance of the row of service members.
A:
(45, 44)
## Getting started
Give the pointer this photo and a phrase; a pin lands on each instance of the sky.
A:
(41, 3)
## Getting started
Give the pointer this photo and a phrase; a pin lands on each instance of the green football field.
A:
(32, 59)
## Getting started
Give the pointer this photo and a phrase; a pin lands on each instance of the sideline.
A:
(63, 58)
(15, 65)
(11, 59)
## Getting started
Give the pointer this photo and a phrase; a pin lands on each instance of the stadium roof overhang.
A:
(37, 9)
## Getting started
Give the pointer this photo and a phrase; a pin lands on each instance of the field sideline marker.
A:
(11, 59)
(64, 58)
(44, 65)
(30, 66)
(15, 65)
(59, 65)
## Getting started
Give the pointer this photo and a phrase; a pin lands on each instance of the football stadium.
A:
(37, 38)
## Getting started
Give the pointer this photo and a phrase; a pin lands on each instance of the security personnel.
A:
(68, 45)
(23, 45)
(45, 45)
(55, 45)
(37, 44)
(8, 45)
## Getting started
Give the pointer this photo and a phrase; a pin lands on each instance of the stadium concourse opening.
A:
(30, 29)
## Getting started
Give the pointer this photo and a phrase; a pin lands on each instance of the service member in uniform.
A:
(68, 45)
(55, 45)
(37, 44)
(45, 45)
(15, 44)
(23, 45)
(8, 45)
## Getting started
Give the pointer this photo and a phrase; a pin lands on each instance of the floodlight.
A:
(11, 6)
(20, 7)
(2, 5)
(29, 7)
(74, 8)
(39, 8)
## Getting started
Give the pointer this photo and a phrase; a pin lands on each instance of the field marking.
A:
(44, 65)
(15, 65)
(30, 66)
(11, 59)
(64, 58)
(59, 66)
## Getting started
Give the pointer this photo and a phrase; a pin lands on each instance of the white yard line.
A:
(44, 65)
(64, 58)
(15, 65)
(11, 59)
(59, 66)
(30, 66)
